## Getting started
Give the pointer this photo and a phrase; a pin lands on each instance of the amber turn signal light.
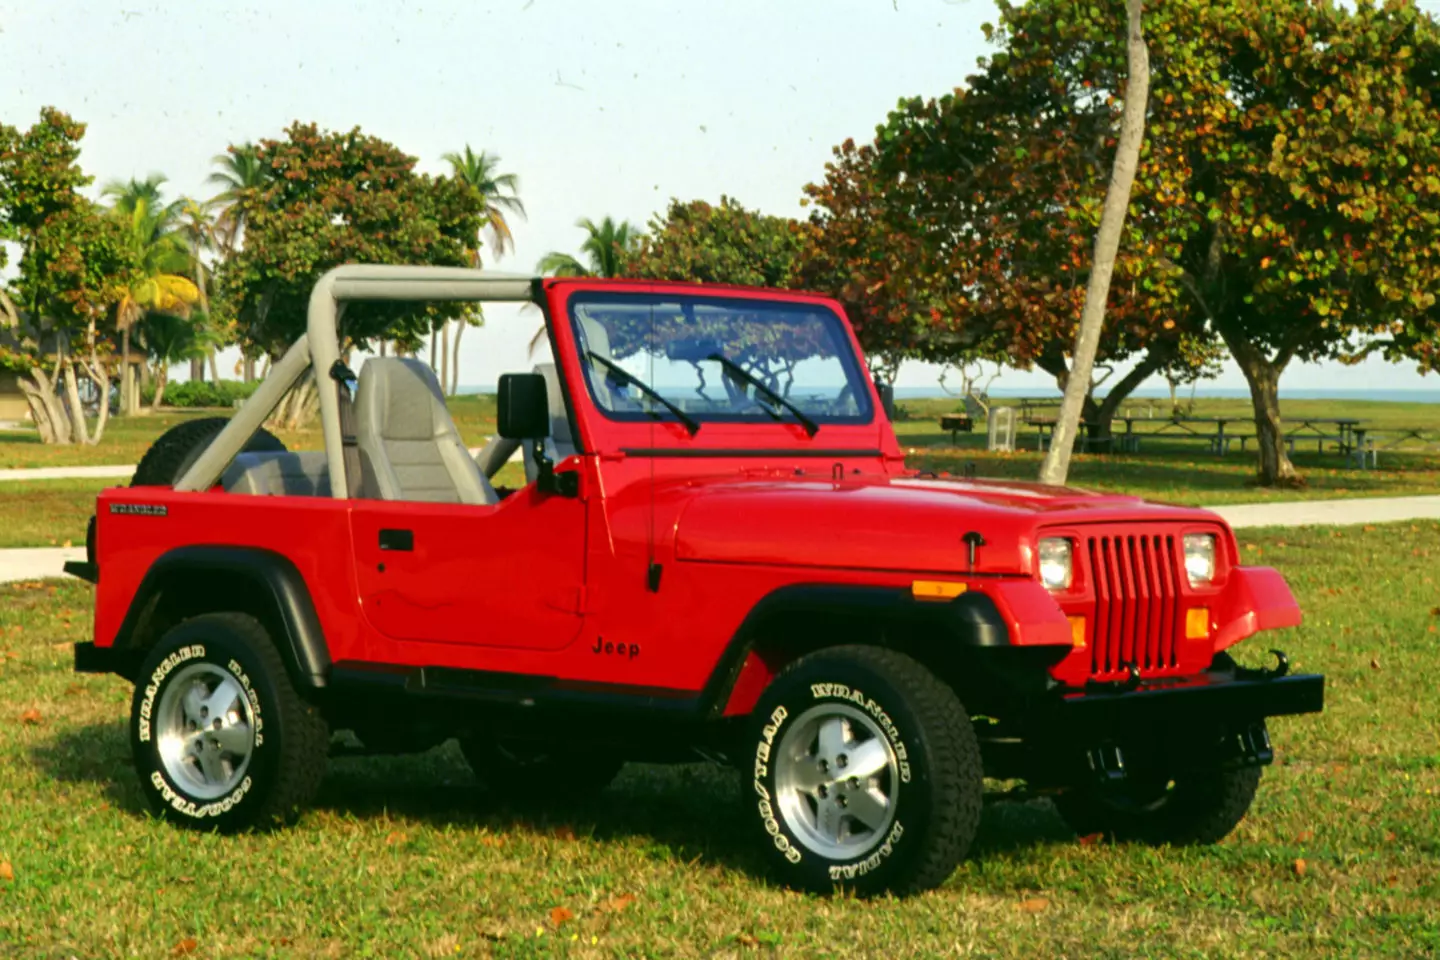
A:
(1077, 632)
(1197, 623)
(936, 589)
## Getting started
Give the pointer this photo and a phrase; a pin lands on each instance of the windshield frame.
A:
(841, 338)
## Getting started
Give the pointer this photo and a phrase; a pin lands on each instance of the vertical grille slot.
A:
(1137, 604)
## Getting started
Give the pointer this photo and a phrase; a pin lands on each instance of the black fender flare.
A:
(969, 621)
(266, 578)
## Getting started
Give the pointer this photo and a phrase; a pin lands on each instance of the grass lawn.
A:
(47, 513)
(406, 857)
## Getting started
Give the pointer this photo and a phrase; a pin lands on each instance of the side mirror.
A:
(524, 410)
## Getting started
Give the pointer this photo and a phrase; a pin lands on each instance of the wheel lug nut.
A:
(842, 761)
(854, 783)
(824, 791)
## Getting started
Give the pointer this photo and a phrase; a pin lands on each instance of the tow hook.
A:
(1107, 763)
(1282, 666)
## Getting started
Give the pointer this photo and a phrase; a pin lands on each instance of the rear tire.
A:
(862, 771)
(1196, 808)
(220, 737)
(177, 449)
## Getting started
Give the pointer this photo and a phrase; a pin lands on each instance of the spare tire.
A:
(179, 447)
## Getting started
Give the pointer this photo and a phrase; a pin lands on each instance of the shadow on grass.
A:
(685, 812)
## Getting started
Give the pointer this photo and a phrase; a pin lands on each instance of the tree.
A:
(722, 243)
(73, 268)
(334, 198)
(239, 172)
(196, 226)
(1107, 243)
(161, 259)
(1289, 187)
(170, 339)
(605, 246)
(500, 195)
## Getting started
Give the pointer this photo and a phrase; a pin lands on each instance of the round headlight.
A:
(1199, 558)
(1056, 567)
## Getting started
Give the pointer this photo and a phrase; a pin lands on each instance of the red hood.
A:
(891, 523)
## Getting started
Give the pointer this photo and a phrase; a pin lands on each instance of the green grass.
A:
(47, 513)
(406, 857)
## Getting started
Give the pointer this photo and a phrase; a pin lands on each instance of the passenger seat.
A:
(409, 447)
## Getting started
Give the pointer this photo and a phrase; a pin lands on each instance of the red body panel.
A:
(548, 585)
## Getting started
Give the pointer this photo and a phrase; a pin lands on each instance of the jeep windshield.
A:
(718, 359)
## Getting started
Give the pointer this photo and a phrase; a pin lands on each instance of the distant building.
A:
(13, 406)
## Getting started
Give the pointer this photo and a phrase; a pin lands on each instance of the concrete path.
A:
(1302, 513)
(68, 473)
(33, 563)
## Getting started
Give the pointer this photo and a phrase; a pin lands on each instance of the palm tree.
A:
(159, 284)
(500, 192)
(605, 246)
(196, 226)
(238, 171)
(170, 339)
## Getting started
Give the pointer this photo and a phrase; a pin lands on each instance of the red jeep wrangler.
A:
(718, 553)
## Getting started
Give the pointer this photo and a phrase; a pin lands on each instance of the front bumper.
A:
(1155, 728)
(1224, 697)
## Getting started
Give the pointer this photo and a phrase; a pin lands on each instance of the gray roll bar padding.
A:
(320, 348)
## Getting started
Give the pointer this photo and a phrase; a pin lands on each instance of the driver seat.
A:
(409, 447)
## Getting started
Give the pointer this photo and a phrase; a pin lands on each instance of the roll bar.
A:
(319, 348)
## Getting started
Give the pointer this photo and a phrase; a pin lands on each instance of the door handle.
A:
(397, 540)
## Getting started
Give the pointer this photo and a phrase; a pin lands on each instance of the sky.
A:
(600, 108)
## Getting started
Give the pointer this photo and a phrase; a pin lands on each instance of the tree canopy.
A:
(1287, 198)
(342, 197)
(721, 243)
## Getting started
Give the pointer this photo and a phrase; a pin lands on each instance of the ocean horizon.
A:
(1152, 393)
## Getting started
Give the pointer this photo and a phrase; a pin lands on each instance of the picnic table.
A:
(1347, 432)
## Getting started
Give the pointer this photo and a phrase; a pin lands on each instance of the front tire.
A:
(863, 771)
(1195, 808)
(220, 737)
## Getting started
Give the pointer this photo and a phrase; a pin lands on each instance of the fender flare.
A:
(271, 580)
(970, 621)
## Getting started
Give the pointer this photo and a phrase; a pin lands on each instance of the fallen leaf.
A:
(491, 840)
(1090, 839)
(62, 647)
(185, 947)
(74, 689)
(66, 544)
(559, 915)
(746, 940)
(1034, 905)
(1305, 836)
(564, 832)
(1299, 867)
(1435, 611)
(31, 717)
(1374, 663)
(1369, 528)
(7, 872)
(396, 836)
(1389, 836)
(616, 904)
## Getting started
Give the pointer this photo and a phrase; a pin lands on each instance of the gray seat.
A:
(409, 447)
(278, 474)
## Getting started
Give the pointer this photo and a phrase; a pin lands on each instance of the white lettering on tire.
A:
(181, 805)
(839, 691)
(762, 769)
(165, 668)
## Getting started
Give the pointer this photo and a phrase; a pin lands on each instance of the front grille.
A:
(1137, 609)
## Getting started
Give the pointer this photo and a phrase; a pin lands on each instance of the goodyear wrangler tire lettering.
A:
(240, 748)
(865, 773)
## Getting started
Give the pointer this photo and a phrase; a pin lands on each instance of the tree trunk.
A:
(383, 347)
(1107, 244)
(46, 408)
(79, 430)
(127, 376)
(214, 368)
(446, 387)
(1263, 375)
(455, 359)
(248, 368)
(1103, 416)
(162, 375)
(197, 369)
(432, 350)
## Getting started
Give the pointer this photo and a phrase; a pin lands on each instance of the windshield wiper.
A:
(625, 376)
(811, 427)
